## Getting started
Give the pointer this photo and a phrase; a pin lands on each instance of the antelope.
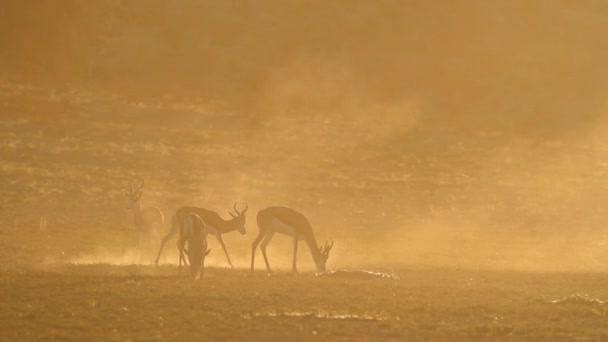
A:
(287, 221)
(215, 225)
(192, 230)
(148, 220)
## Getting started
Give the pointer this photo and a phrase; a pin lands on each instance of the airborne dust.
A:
(465, 134)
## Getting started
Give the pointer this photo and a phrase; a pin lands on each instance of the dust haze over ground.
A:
(475, 127)
(460, 135)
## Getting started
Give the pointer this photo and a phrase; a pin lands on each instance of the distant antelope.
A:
(287, 221)
(148, 220)
(215, 225)
(192, 230)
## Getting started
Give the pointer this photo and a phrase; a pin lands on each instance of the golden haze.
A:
(459, 135)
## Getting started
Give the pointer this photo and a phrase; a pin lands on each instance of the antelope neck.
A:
(137, 205)
(224, 226)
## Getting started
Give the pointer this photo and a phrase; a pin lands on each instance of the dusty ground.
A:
(475, 233)
(143, 303)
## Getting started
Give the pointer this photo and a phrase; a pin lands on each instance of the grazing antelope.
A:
(215, 225)
(192, 230)
(148, 220)
(287, 221)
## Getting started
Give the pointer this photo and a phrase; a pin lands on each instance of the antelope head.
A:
(239, 218)
(322, 256)
(197, 248)
(134, 192)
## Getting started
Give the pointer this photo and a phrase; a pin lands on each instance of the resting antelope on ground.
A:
(192, 231)
(148, 220)
(215, 225)
(287, 221)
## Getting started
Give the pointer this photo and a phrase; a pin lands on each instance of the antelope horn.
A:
(240, 213)
(327, 247)
(136, 178)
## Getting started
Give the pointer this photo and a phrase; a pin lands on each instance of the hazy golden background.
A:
(442, 132)
(455, 151)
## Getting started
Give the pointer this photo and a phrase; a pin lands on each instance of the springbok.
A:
(287, 221)
(215, 225)
(192, 230)
(148, 220)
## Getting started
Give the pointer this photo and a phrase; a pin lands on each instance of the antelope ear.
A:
(231, 214)
(124, 191)
(207, 252)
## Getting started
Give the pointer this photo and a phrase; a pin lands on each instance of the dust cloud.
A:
(462, 134)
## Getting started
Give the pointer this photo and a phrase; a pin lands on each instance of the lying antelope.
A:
(215, 225)
(192, 231)
(148, 220)
(287, 221)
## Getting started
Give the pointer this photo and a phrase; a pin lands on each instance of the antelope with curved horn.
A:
(287, 221)
(192, 230)
(215, 225)
(148, 220)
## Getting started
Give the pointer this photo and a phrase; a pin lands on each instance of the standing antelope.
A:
(192, 230)
(287, 221)
(148, 220)
(215, 225)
